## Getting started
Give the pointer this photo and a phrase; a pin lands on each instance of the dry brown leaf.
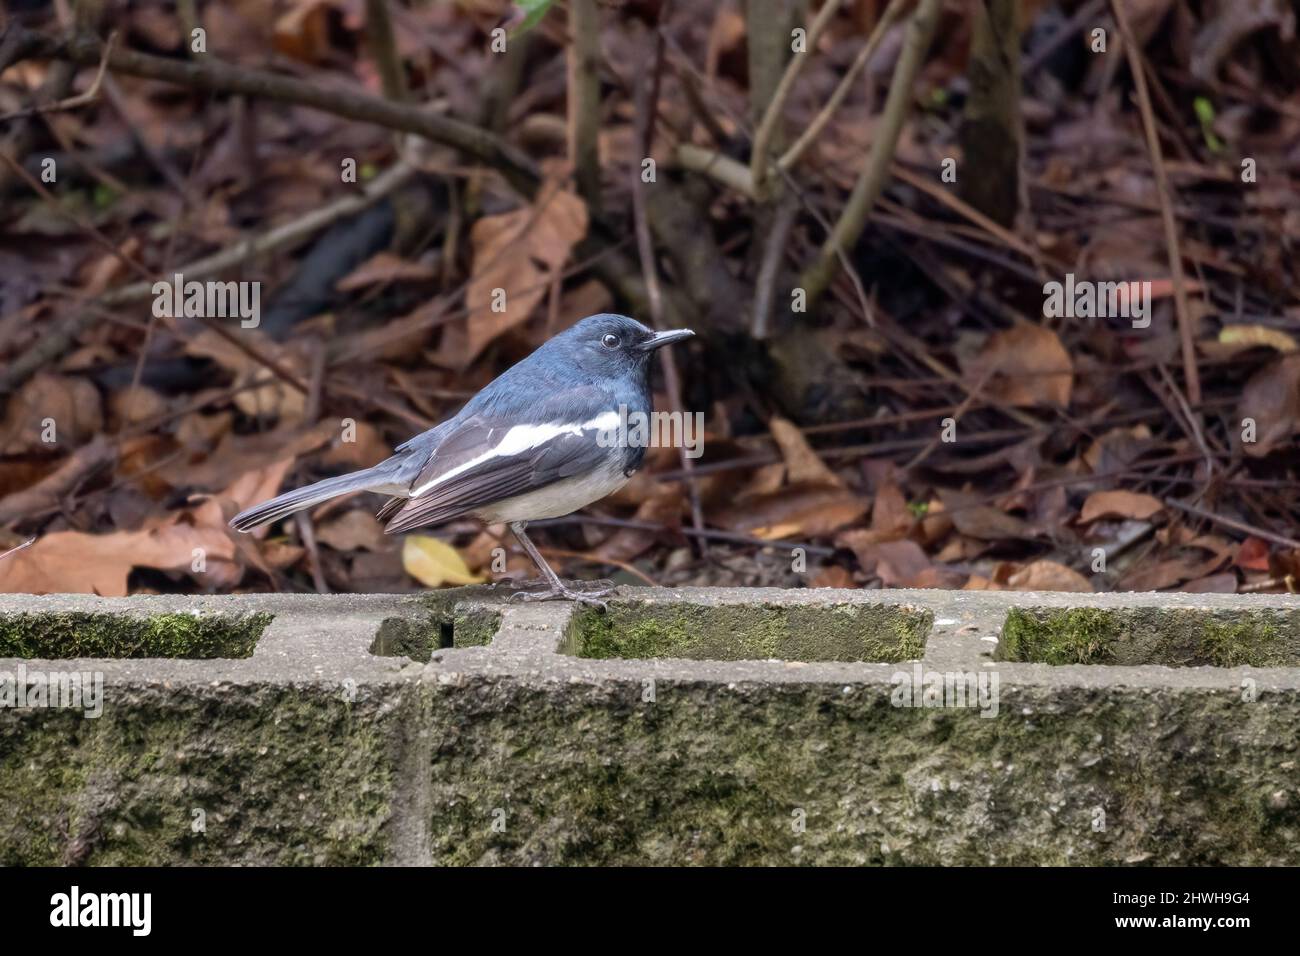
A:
(1025, 365)
(982, 521)
(889, 513)
(64, 409)
(520, 253)
(273, 397)
(353, 530)
(803, 466)
(800, 510)
(78, 563)
(1048, 576)
(833, 576)
(385, 267)
(1272, 400)
(663, 507)
(1120, 504)
(896, 563)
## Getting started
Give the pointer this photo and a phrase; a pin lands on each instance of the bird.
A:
(534, 443)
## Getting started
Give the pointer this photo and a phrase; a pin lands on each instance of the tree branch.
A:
(18, 43)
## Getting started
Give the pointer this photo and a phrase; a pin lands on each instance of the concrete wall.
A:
(695, 726)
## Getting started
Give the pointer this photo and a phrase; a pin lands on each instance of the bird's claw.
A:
(565, 593)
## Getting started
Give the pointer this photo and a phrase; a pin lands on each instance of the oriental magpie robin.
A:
(528, 446)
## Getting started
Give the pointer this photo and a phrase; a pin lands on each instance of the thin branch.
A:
(853, 218)
(647, 106)
(772, 116)
(1235, 525)
(724, 169)
(72, 102)
(210, 74)
(1164, 192)
(887, 19)
(770, 268)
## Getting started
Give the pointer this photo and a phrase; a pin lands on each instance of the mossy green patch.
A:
(728, 632)
(769, 774)
(261, 774)
(1175, 637)
(1074, 636)
(68, 634)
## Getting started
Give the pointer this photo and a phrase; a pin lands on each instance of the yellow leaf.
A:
(435, 563)
(1257, 335)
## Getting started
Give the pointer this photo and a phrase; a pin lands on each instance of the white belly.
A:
(558, 499)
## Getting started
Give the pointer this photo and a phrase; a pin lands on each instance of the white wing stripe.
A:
(521, 438)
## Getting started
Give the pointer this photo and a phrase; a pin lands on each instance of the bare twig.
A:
(72, 102)
(770, 268)
(772, 116)
(1234, 524)
(1163, 190)
(853, 218)
(647, 100)
(17, 43)
(796, 150)
(724, 169)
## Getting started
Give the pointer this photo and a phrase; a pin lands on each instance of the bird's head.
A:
(609, 345)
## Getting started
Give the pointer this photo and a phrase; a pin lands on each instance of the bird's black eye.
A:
(610, 341)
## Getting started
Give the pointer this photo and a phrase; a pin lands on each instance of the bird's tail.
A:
(369, 479)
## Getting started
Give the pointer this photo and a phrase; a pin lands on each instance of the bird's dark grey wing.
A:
(486, 459)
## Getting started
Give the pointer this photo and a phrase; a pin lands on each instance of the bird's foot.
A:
(562, 592)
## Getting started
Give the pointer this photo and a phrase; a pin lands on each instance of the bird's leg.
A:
(559, 591)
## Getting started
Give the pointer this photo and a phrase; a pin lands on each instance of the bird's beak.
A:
(660, 339)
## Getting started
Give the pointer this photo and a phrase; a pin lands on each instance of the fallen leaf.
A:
(833, 576)
(1252, 555)
(77, 563)
(385, 267)
(1271, 399)
(799, 510)
(662, 507)
(1119, 504)
(1214, 584)
(803, 466)
(1026, 365)
(353, 531)
(51, 412)
(271, 396)
(434, 563)
(982, 521)
(1048, 576)
(1250, 335)
(519, 253)
(897, 563)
